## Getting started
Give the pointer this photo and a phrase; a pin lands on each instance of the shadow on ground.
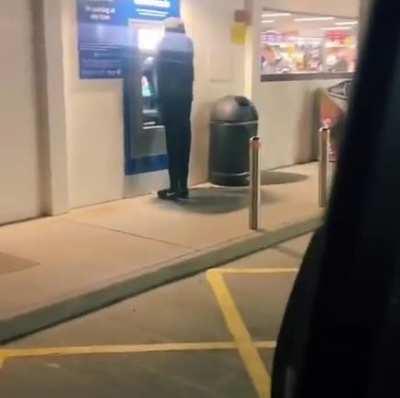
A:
(281, 177)
(216, 200)
(219, 200)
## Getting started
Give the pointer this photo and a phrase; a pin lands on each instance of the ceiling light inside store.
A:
(268, 21)
(276, 15)
(314, 19)
(346, 23)
(337, 28)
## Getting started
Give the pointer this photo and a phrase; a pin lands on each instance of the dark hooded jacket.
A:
(175, 71)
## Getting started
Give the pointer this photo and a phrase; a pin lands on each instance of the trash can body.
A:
(234, 120)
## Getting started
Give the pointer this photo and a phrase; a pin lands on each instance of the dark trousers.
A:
(176, 116)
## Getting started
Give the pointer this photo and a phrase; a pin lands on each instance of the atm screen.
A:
(147, 91)
(149, 38)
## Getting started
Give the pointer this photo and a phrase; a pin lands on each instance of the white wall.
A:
(287, 121)
(19, 161)
(52, 115)
(287, 118)
(94, 108)
(219, 68)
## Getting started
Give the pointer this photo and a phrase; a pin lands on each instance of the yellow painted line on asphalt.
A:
(270, 345)
(243, 342)
(123, 349)
(115, 349)
(248, 351)
(241, 271)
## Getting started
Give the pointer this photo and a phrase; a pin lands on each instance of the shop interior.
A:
(294, 44)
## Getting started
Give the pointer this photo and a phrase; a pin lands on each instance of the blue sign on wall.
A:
(103, 32)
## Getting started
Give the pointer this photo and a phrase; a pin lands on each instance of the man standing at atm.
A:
(175, 74)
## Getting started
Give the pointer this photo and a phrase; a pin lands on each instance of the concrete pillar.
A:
(253, 49)
(47, 16)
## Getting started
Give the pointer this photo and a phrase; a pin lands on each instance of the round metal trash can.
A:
(234, 120)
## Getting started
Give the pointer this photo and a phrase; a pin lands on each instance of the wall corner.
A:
(51, 97)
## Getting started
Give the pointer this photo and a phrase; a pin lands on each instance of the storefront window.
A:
(298, 46)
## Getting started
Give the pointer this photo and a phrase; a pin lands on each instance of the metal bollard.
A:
(324, 141)
(255, 184)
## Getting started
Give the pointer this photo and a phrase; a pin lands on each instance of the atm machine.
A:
(151, 113)
(145, 144)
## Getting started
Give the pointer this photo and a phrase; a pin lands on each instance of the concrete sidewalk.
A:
(54, 269)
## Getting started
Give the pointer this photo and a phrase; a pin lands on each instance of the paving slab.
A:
(58, 268)
(175, 223)
(69, 255)
(213, 215)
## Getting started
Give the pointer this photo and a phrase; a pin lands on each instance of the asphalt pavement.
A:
(212, 335)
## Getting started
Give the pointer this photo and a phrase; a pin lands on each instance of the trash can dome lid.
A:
(234, 109)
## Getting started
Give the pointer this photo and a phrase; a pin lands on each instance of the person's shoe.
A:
(183, 194)
(167, 194)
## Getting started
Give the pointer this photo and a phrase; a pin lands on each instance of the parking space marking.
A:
(247, 348)
(248, 352)
(123, 349)
(241, 271)
(243, 343)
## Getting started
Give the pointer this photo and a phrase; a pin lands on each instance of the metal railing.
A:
(324, 147)
(255, 184)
